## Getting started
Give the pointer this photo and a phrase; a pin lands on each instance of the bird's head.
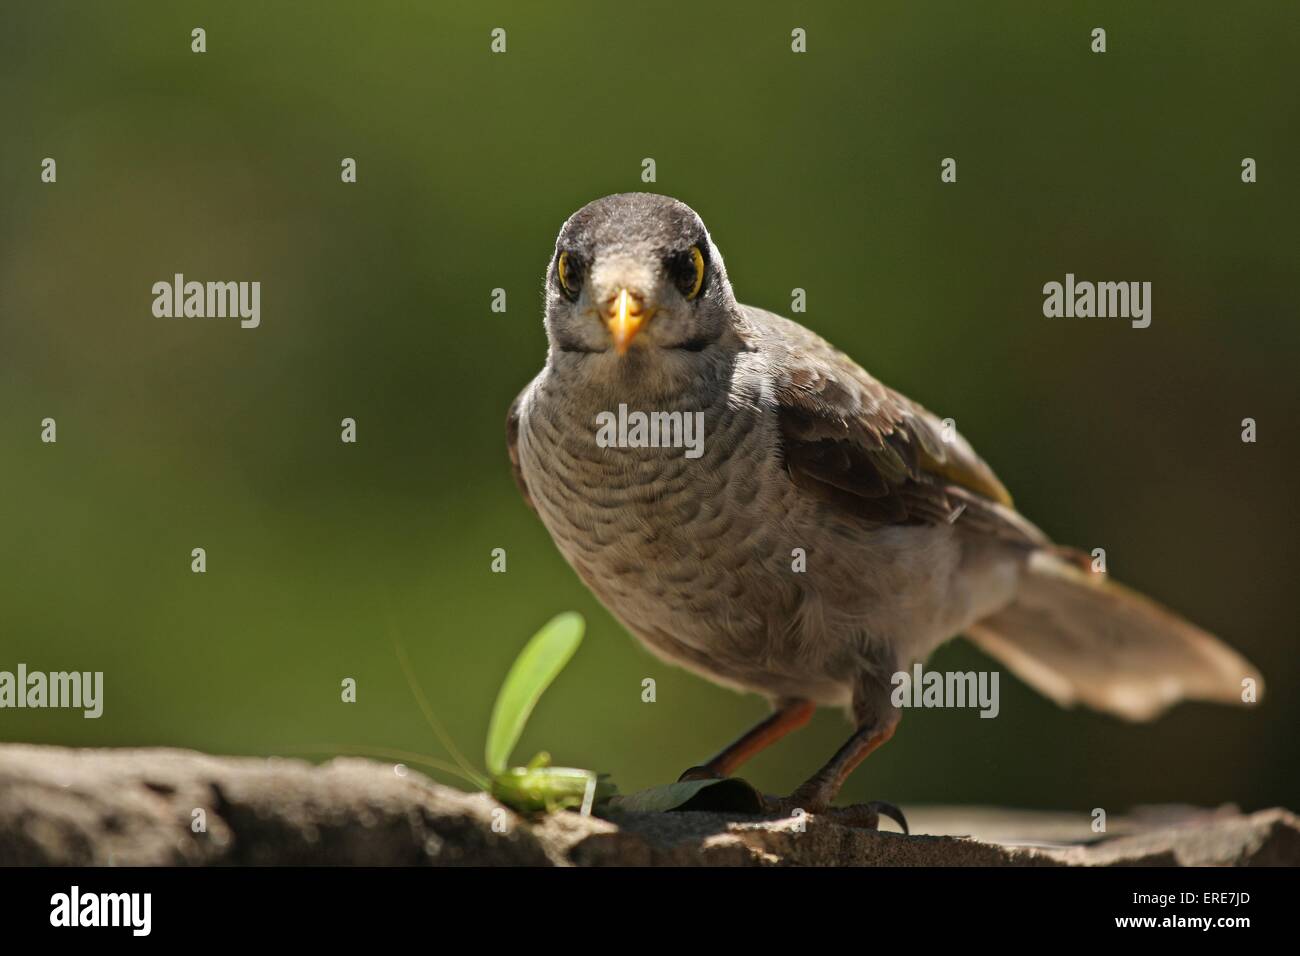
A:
(636, 279)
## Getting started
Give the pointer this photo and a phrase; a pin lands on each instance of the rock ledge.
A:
(143, 807)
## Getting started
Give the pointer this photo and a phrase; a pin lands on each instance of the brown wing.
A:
(512, 447)
(851, 441)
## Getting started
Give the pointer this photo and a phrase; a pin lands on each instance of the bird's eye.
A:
(568, 270)
(687, 270)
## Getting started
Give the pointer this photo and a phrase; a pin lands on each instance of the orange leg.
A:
(789, 715)
(823, 786)
(815, 795)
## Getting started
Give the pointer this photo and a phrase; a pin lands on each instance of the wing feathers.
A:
(512, 448)
(849, 440)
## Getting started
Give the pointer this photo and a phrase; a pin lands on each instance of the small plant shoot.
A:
(537, 787)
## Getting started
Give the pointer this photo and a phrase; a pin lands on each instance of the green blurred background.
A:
(819, 171)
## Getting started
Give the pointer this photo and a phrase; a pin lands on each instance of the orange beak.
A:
(625, 319)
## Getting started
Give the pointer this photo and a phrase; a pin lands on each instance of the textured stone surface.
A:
(137, 807)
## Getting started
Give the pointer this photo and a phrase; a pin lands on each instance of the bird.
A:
(908, 537)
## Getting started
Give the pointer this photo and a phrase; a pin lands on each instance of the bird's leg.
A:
(789, 715)
(876, 724)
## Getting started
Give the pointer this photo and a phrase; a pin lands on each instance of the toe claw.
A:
(862, 815)
(892, 812)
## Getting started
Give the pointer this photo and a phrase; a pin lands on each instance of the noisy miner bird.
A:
(909, 537)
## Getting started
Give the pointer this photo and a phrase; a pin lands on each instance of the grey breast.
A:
(692, 555)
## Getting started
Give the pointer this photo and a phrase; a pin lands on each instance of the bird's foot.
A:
(812, 800)
(864, 816)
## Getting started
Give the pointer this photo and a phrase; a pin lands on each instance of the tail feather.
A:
(1077, 637)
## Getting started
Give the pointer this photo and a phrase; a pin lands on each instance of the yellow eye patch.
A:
(563, 268)
(697, 259)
